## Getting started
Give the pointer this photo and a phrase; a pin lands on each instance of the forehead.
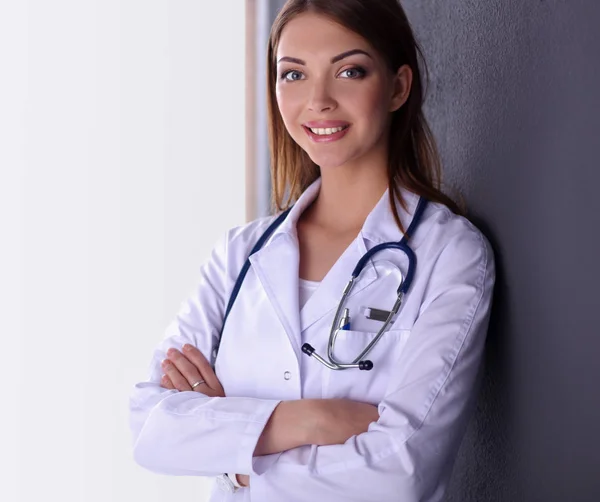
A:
(313, 34)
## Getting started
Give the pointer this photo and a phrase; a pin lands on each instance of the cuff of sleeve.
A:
(255, 466)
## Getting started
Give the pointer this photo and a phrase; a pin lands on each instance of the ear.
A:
(402, 85)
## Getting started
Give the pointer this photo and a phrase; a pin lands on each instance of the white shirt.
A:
(306, 289)
(424, 381)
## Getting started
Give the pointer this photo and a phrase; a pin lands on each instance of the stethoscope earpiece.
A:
(308, 349)
(365, 365)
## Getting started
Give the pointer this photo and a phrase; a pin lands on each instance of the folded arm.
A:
(190, 433)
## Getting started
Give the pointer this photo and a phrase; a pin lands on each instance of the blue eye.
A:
(285, 74)
(354, 73)
(359, 72)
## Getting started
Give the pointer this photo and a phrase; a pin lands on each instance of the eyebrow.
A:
(334, 59)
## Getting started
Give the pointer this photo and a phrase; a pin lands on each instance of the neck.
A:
(346, 198)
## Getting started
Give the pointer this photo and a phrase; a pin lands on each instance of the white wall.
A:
(121, 162)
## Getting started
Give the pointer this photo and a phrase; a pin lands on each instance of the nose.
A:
(320, 98)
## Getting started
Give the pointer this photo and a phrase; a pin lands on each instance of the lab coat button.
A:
(287, 375)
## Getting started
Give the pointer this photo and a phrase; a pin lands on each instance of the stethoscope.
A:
(358, 362)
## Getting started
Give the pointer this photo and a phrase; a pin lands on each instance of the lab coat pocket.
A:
(361, 385)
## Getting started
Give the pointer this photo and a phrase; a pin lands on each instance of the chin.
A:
(328, 163)
(327, 160)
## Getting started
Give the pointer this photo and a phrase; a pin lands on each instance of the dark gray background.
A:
(513, 102)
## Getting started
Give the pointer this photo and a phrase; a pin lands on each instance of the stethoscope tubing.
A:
(403, 288)
(333, 363)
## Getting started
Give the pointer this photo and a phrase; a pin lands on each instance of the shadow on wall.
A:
(481, 60)
(485, 468)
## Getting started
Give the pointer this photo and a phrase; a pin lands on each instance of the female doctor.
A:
(245, 386)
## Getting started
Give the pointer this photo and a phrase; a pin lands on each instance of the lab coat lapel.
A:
(325, 300)
(276, 267)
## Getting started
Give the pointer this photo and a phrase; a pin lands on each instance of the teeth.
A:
(328, 130)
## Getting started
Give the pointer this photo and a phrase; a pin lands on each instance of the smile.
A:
(326, 135)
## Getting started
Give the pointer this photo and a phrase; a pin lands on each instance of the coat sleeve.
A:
(189, 433)
(408, 454)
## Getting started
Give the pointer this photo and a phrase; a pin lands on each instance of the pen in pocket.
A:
(345, 321)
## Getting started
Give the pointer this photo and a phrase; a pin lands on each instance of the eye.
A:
(285, 74)
(354, 73)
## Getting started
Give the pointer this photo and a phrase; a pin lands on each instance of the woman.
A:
(351, 149)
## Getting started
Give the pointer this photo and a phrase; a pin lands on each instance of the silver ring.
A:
(194, 385)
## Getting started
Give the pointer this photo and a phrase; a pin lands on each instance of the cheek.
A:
(290, 109)
(287, 101)
(372, 104)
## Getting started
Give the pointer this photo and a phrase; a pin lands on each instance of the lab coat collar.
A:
(379, 225)
(288, 225)
(277, 264)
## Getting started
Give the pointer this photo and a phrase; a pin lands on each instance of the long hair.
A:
(413, 158)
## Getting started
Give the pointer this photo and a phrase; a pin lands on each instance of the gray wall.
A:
(514, 104)
(264, 12)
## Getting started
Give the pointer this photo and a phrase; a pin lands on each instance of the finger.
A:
(186, 368)
(175, 376)
(198, 359)
(165, 382)
(189, 374)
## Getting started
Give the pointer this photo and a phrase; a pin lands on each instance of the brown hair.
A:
(413, 159)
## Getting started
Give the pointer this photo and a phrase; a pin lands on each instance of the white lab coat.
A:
(424, 381)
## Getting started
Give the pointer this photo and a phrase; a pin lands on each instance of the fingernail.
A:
(171, 352)
(187, 347)
(166, 363)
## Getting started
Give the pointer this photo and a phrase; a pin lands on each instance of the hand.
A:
(182, 370)
(243, 479)
(340, 419)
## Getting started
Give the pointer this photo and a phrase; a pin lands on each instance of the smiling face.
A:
(328, 78)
